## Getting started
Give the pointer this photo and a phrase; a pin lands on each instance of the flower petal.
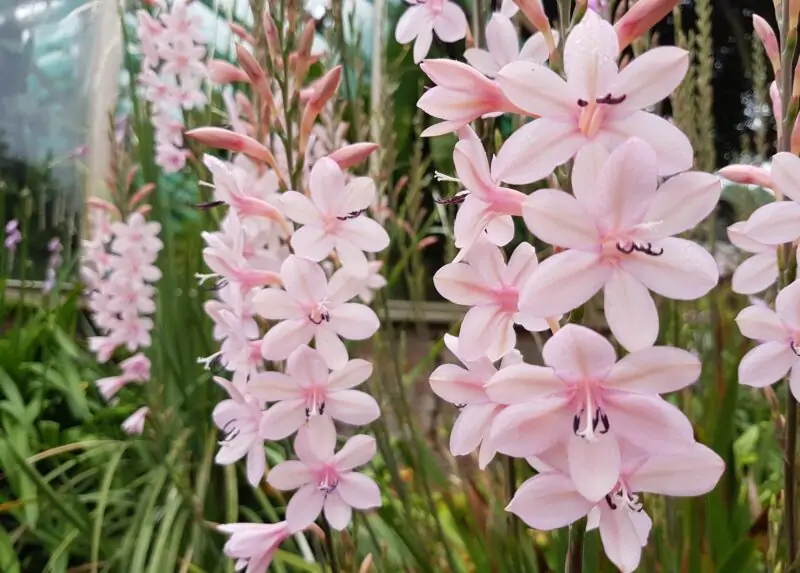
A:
(353, 373)
(422, 45)
(627, 183)
(471, 426)
(299, 208)
(530, 428)
(360, 193)
(785, 172)
(359, 491)
(774, 223)
(579, 352)
(413, 19)
(648, 422)
(331, 347)
(276, 304)
(593, 466)
(672, 147)
(289, 475)
(590, 57)
(352, 407)
(460, 284)
(743, 241)
(548, 501)
(486, 331)
(482, 61)
(457, 385)
(787, 304)
(766, 364)
(682, 202)
(337, 513)
(283, 419)
(559, 219)
(354, 321)
(501, 39)
(630, 312)
(365, 233)
(654, 370)
(522, 383)
(762, 324)
(353, 259)
(304, 507)
(312, 243)
(651, 77)
(304, 280)
(621, 541)
(694, 471)
(327, 185)
(273, 386)
(283, 338)
(538, 90)
(535, 49)
(755, 274)
(451, 23)
(356, 451)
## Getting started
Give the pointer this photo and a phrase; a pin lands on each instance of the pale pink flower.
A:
(310, 306)
(618, 231)
(779, 332)
(130, 293)
(241, 420)
(595, 110)
(488, 207)
(779, 222)
(325, 479)
(183, 58)
(189, 94)
(503, 43)
(549, 500)
(425, 17)
(253, 545)
(333, 218)
(135, 369)
(168, 128)
(13, 235)
(374, 281)
(133, 330)
(308, 389)
(590, 401)
(465, 388)
(150, 33)
(758, 272)
(492, 288)
(170, 158)
(102, 347)
(134, 424)
(181, 24)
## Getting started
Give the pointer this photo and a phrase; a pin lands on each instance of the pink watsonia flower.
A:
(502, 41)
(13, 236)
(325, 479)
(168, 128)
(309, 389)
(150, 33)
(779, 222)
(134, 424)
(333, 218)
(131, 294)
(425, 17)
(374, 282)
(589, 401)
(183, 58)
(309, 306)
(181, 24)
(465, 388)
(492, 288)
(618, 231)
(253, 545)
(135, 369)
(241, 419)
(461, 95)
(779, 334)
(549, 500)
(170, 158)
(596, 109)
(133, 330)
(758, 272)
(488, 208)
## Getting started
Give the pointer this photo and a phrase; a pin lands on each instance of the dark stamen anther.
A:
(454, 200)
(231, 432)
(623, 249)
(576, 422)
(606, 425)
(596, 419)
(321, 408)
(352, 215)
(582, 103)
(210, 204)
(794, 349)
(611, 100)
(460, 406)
(308, 413)
(324, 317)
(610, 503)
(640, 248)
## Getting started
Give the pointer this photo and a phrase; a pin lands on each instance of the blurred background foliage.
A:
(76, 495)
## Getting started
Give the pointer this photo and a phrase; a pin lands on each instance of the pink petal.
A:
(471, 426)
(684, 271)
(457, 385)
(630, 311)
(354, 321)
(365, 233)
(755, 274)
(312, 243)
(356, 451)
(352, 407)
(787, 305)
(785, 172)
(694, 471)
(353, 259)
(741, 240)
(531, 428)
(655, 370)
(304, 280)
(775, 223)
(651, 77)
(590, 56)
(451, 23)
(337, 513)
(534, 49)
(472, 167)
(423, 44)
(233, 451)
(589, 162)
(627, 182)
(794, 382)
(620, 538)
(343, 286)
(460, 284)
(289, 475)
(256, 463)
(766, 364)
(482, 61)
(482, 367)
(282, 339)
(327, 186)
(299, 208)
(548, 501)
(411, 22)
(538, 90)
(471, 221)
(672, 147)
(500, 230)
(274, 386)
(683, 202)
(283, 419)
(307, 366)
(331, 347)
(559, 219)
(562, 283)
(486, 330)
(359, 491)
(593, 466)
(315, 442)
(554, 141)
(488, 262)
(351, 375)
(521, 265)
(304, 507)
(360, 193)
(276, 304)
(522, 383)
(648, 422)
(760, 323)
(578, 352)
(501, 38)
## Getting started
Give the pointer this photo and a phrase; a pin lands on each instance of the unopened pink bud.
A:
(777, 110)
(241, 33)
(767, 36)
(353, 154)
(221, 72)
(103, 205)
(534, 11)
(141, 194)
(641, 18)
(237, 142)
(323, 92)
(796, 137)
(747, 175)
(257, 75)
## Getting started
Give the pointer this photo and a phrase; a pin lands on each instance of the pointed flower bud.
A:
(767, 36)
(638, 20)
(747, 175)
(353, 154)
(221, 72)
(223, 139)
(534, 11)
(325, 87)
(257, 75)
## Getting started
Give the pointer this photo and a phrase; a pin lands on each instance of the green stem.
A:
(574, 562)
(330, 547)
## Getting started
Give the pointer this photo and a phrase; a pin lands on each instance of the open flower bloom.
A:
(464, 387)
(549, 500)
(488, 206)
(334, 218)
(589, 401)
(503, 43)
(136, 234)
(618, 231)
(253, 545)
(308, 389)
(326, 481)
(241, 420)
(758, 272)
(309, 307)
(492, 288)
(374, 281)
(596, 108)
(461, 95)
(779, 222)
(425, 17)
(779, 332)
(134, 424)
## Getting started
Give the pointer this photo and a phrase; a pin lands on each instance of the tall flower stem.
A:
(330, 548)
(574, 563)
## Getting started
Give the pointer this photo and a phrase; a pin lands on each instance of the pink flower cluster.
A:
(594, 426)
(118, 269)
(172, 52)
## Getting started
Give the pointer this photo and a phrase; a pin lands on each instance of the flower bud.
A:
(353, 154)
(641, 18)
(237, 142)
(534, 11)
(767, 36)
(241, 33)
(257, 75)
(324, 90)
(221, 72)
(747, 175)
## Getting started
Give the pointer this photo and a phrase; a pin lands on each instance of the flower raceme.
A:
(617, 231)
(419, 22)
